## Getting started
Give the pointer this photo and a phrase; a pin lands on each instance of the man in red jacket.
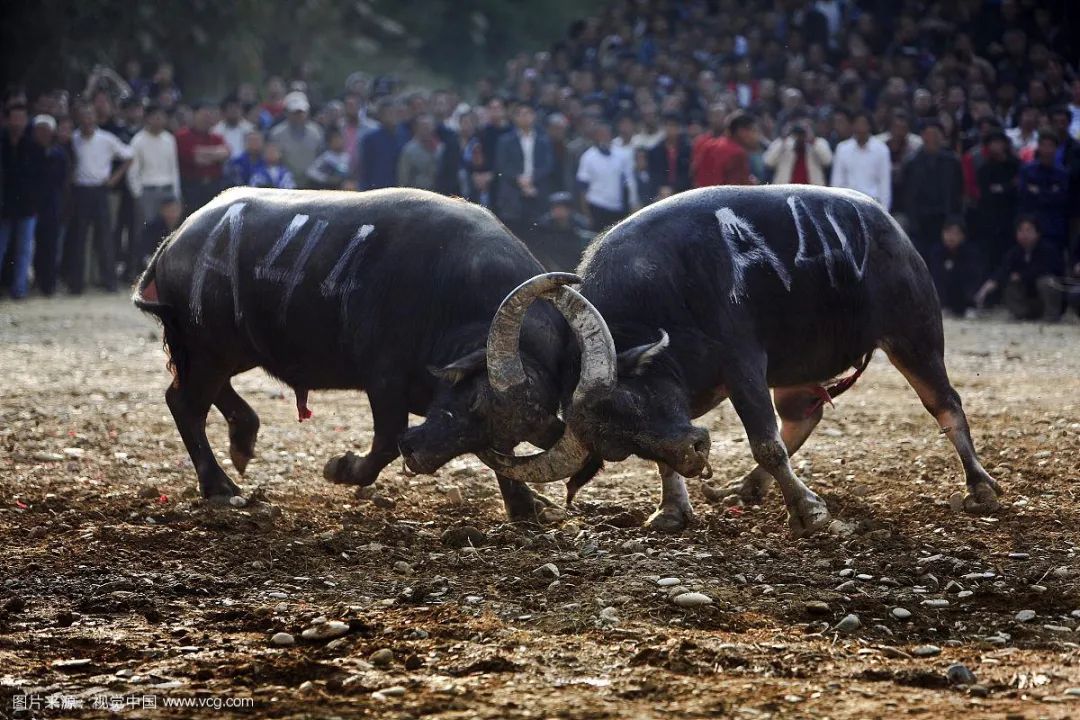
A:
(726, 161)
(202, 155)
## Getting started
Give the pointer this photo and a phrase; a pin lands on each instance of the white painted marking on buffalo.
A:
(733, 229)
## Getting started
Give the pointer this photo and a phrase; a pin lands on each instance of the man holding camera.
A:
(798, 157)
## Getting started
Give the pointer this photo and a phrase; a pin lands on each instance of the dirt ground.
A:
(119, 583)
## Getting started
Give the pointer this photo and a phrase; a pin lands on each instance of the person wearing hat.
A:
(50, 210)
(933, 183)
(24, 164)
(202, 154)
(299, 139)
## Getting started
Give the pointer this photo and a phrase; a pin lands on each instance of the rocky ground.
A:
(420, 600)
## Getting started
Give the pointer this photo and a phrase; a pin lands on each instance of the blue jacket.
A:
(379, 151)
(1044, 193)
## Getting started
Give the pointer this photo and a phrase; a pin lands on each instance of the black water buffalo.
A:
(725, 292)
(391, 291)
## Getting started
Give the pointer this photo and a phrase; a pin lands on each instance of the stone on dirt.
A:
(463, 536)
(326, 630)
(1025, 615)
(901, 613)
(926, 651)
(381, 657)
(849, 623)
(282, 639)
(547, 570)
(958, 674)
(692, 599)
(817, 607)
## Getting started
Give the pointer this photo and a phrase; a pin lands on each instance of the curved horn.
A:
(505, 371)
(598, 371)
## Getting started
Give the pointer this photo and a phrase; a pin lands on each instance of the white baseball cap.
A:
(296, 100)
(47, 120)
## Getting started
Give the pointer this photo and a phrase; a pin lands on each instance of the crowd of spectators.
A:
(961, 117)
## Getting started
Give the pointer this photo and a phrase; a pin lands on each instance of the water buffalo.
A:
(723, 293)
(390, 291)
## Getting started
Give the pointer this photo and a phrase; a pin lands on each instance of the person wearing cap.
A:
(933, 182)
(299, 139)
(24, 165)
(202, 155)
(50, 210)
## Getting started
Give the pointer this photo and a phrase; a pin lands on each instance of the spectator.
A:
(562, 172)
(1028, 276)
(561, 235)
(241, 168)
(933, 188)
(418, 164)
(1025, 136)
(273, 105)
(523, 165)
(726, 161)
(996, 207)
(233, 126)
(95, 151)
(1044, 193)
(154, 175)
(800, 157)
(648, 187)
(490, 134)
(604, 177)
(379, 150)
(957, 269)
(299, 140)
(23, 161)
(273, 173)
(669, 160)
(202, 155)
(122, 205)
(902, 144)
(51, 208)
(862, 163)
(330, 171)
(165, 220)
(698, 168)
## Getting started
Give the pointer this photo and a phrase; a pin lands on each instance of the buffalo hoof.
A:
(983, 498)
(670, 518)
(240, 459)
(218, 490)
(348, 469)
(532, 507)
(749, 491)
(808, 515)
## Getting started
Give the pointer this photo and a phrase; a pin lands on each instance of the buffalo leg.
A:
(800, 411)
(924, 369)
(675, 511)
(391, 416)
(243, 426)
(750, 397)
(189, 404)
(525, 505)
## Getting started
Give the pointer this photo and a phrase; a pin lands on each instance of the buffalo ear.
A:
(461, 368)
(636, 360)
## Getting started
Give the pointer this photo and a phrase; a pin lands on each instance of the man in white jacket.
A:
(799, 157)
(862, 163)
(154, 175)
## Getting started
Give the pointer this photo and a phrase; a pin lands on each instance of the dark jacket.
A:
(512, 205)
(1045, 259)
(660, 167)
(1044, 193)
(558, 247)
(24, 176)
(933, 184)
(996, 208)
(957, 275)
(379, 153)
